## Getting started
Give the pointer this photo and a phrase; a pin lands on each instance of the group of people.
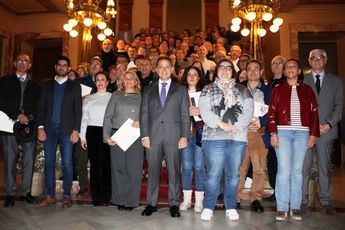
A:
(200, 115)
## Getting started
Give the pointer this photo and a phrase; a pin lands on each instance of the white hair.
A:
(322, 51)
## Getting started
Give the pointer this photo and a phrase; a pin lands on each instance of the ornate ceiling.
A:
(31, 7)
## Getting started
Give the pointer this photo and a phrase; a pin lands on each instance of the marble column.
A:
(156, 13)
(211, 13)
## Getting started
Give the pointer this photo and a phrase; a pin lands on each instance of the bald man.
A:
(19, 100)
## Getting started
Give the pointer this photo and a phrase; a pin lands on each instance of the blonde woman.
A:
(126, 166)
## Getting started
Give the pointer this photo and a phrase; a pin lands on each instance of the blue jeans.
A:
(56, 135)
(227, 156)
(192, 157)
(290, 155)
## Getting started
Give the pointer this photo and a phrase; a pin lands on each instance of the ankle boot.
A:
(187, 200)
(199, 197)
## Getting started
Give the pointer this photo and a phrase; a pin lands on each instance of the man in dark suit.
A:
(59, 118)
(328, 89)
(18, 99)
(96, 65)
(164, 127)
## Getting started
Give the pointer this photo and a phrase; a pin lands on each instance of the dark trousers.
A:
(272, 166)
(80, 163)
(154, 157)
(127, 172)
(10, 151)
(55, 135)
(100, 173)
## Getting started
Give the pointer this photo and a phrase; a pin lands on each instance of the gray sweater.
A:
(121, 106)
(212, 109)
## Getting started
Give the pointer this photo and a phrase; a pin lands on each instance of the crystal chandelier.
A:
(88, 14)
(254, 17)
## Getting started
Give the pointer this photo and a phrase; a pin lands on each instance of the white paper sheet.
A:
(260, 109)
(85, 90)
(6, 124)
(195, 96)
(126, 135)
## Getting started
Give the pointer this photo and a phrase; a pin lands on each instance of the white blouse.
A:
(94, 107)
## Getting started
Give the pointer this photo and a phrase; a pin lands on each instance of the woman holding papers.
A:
(293, 125)
(226, 109)
(192, 156)
(91, 136)
(126, 166)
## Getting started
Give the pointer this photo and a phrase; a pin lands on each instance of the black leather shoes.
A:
(238, 205)
(121, 207)
(174, 211)
(9, 201)
(28, 198)
(256, 206)
(128, 208)
(149, 209)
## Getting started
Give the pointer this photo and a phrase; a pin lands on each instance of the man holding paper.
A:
(258, 139)
(18, 99)
(164, 126)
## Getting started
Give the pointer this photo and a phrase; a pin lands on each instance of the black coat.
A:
(10, 94)
(71, 108)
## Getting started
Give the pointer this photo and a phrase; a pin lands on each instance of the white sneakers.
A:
(232, 214)
(206, 214)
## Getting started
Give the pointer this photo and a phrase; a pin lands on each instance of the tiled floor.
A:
(24, 216)
(84, 216)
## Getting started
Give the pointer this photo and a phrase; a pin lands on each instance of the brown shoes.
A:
(47, 201)
(66, 202)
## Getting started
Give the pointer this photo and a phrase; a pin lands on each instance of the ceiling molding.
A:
(48, 5)
(319, 2)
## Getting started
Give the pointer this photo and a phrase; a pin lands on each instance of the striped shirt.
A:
(295, 113)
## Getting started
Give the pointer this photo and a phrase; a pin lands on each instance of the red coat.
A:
(279, 110)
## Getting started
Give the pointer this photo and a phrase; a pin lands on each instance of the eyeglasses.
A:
(23, 61)
(278, 63)
(97, 65)
(317, 58)
(224, 67)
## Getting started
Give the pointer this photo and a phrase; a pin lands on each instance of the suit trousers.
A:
(10, 151)
(80, 161)
(126, 174)
(99, 155)
(154, 157)
(255, 153)
(272, 166)
(323, 151)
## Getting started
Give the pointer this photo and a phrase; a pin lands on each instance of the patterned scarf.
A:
(226, 86)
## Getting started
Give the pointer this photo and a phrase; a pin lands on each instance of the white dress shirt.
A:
(166, 87)
(322, 75)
